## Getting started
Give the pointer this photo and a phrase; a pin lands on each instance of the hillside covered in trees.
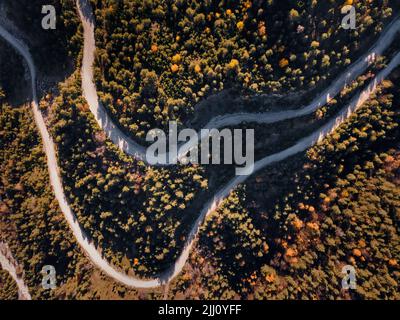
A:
(285, 233)
(288, 232)
(8, 288)
(157, 59)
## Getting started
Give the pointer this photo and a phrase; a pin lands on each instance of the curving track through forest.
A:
(8, 263)
(132, 148)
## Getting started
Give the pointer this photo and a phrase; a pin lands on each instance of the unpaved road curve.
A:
(8, 263)
(131, 147)
(209, 207)
(56, 181)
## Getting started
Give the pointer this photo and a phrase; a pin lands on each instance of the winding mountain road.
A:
(131, 147)
(8, 263)
(136, 150)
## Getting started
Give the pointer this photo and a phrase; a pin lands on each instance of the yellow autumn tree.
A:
(240, 25)
(176, 59)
